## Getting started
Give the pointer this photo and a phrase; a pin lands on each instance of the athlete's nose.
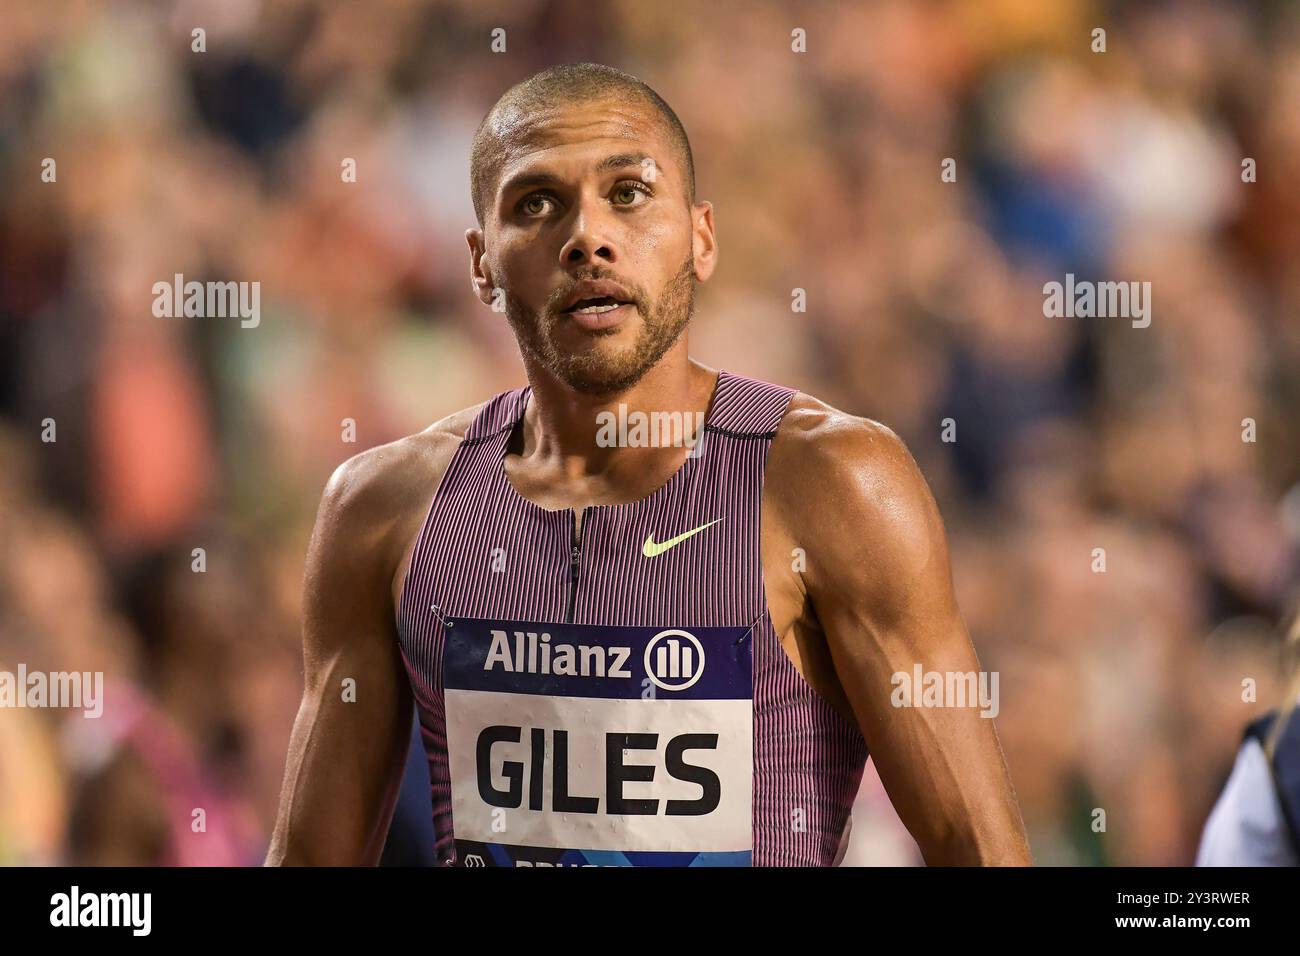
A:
(588, 242)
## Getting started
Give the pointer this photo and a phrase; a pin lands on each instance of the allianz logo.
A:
(673, 659)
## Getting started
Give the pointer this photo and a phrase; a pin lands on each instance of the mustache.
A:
(561, 295)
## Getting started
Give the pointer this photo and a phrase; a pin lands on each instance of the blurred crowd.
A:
(1123, 557)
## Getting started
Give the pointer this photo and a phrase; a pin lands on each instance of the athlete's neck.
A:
(577, 435)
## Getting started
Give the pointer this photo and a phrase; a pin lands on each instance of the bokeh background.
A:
(1120, 690)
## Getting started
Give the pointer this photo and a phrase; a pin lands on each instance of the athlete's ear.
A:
(480, 268)
(704, 244)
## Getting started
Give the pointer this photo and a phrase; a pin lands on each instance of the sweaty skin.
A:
(872, 596)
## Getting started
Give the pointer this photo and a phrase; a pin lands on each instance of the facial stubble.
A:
(602, 370)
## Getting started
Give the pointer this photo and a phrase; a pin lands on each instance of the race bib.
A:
(582, 745)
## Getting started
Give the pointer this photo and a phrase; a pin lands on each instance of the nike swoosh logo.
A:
(650, 549)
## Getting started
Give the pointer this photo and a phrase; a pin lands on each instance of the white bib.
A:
(583, 745)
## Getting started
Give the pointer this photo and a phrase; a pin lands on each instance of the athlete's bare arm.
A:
(346, 756)
(873, 596)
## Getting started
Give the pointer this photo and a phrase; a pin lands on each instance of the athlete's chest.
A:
(626, 731)
(705, 555)
(598, 675)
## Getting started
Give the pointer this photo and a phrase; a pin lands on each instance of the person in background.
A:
(1256, 821)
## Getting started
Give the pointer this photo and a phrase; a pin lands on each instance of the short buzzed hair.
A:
(562, 85)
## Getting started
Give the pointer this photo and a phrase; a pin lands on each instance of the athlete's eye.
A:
(631, 192)
(534, 204)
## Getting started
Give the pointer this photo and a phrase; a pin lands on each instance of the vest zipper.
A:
(575, 563)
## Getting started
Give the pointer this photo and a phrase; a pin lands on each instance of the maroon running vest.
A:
(621, 698)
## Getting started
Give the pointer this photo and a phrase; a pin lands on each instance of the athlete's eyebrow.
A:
(526, 179)
(623, 160)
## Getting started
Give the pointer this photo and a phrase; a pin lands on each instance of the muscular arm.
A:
(346, 757)
(878, 579)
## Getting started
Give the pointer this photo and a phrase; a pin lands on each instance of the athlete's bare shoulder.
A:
(846, 489)
(379, 482)
(816, 443)
(374, 501)
(383, 477)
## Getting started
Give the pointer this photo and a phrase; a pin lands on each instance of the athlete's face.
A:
(594, 191)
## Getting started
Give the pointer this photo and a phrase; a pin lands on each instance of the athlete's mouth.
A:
(596, 297)
(596, 306)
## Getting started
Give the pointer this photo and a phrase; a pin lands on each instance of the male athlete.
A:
(628, 652)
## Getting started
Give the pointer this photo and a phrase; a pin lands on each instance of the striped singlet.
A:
(619, 696)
